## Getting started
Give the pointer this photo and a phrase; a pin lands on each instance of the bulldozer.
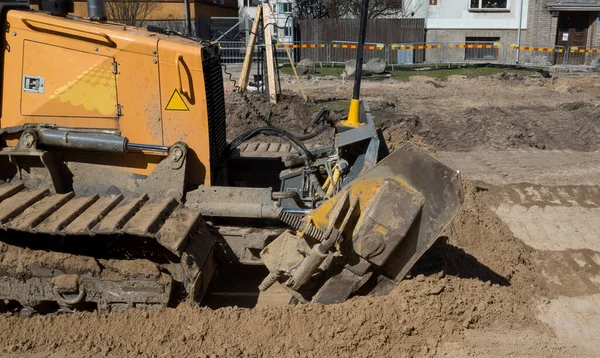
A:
(119, 187)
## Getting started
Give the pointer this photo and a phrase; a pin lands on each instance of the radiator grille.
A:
(215, 103)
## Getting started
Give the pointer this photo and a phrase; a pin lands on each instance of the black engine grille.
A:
(215, 102)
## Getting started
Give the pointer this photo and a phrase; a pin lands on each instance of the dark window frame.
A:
(480, 6)
(478, 54)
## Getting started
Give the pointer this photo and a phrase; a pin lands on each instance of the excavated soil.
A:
(476, 292)
(458, 285)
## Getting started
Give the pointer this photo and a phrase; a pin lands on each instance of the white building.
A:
(486, 21)
(284, 14)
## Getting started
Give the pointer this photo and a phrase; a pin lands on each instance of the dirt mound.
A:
(499, 112)
(459, 284)
(566, 126)
(292, 113)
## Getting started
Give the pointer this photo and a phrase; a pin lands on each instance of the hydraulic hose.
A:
(277, 132)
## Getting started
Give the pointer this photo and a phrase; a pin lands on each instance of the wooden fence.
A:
(378, 30)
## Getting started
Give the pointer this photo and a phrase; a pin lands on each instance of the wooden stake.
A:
(245, 75)
(271, 74)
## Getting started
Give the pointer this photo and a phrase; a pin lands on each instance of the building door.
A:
(572, 31)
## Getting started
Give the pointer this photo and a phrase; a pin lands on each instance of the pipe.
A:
(188, 20)
(361, 49)
(298, 211)
(519, 30)
(354, 113)
(96, 10)
(83, 141)
(94, 142)
(149, 147)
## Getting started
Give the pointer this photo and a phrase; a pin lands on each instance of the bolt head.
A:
(28, 140)
(95, 49)
(177, 154)
(14, 33)
(155, 61)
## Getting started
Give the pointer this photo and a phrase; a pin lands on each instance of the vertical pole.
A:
(361, 49)
(245, 74)
(354, 113)
(519, 30)
(188, 21)
(269, 52)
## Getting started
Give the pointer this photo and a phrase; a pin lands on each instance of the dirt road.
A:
(517, 273)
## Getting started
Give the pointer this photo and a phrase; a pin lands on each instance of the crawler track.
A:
(75, 249)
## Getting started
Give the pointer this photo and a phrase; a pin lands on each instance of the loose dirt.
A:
(483, 289)
(457, 286)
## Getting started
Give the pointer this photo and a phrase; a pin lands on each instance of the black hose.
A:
(313, 134)
(277, 132)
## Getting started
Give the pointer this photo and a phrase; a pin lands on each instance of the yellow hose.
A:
(334, 181)
(326, 183)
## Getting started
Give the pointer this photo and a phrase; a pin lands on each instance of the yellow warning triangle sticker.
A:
(176, 103)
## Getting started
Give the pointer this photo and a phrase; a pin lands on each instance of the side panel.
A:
(74, 83)
(185, 121)
(74, 58)
(139, 95)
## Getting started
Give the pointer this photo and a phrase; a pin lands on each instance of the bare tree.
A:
(311, 9)
(377, 8)
(130, 12)
(410, 8)
(319, 9)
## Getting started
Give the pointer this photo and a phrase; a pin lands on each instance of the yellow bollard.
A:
(353, 115)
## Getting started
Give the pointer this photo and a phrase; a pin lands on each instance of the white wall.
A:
(455, 14)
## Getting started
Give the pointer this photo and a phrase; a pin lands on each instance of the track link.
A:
(71, 279)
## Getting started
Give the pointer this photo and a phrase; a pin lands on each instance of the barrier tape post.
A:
(474, 52)
(316, 51)
(582, 56)
(234, 51)
(541, 55)
(415, 53)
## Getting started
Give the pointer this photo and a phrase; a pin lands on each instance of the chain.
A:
(245, 97)
(260, 116)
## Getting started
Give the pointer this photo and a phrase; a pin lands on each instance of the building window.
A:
(285, 8)
(287, 31)
(251, 2)
(478, 48)
(489, 5)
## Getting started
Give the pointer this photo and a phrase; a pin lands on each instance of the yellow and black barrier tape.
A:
(584, 50)
(537, 49)
(354, 47)
(415, 47)
(478, 46)
(321, 45)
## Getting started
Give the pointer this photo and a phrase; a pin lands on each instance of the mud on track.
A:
(515, 274)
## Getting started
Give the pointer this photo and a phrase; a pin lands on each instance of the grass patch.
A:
(597, 69)
(336, 105)
(405, 74)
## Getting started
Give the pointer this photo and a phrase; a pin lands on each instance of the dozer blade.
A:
(384, 221)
